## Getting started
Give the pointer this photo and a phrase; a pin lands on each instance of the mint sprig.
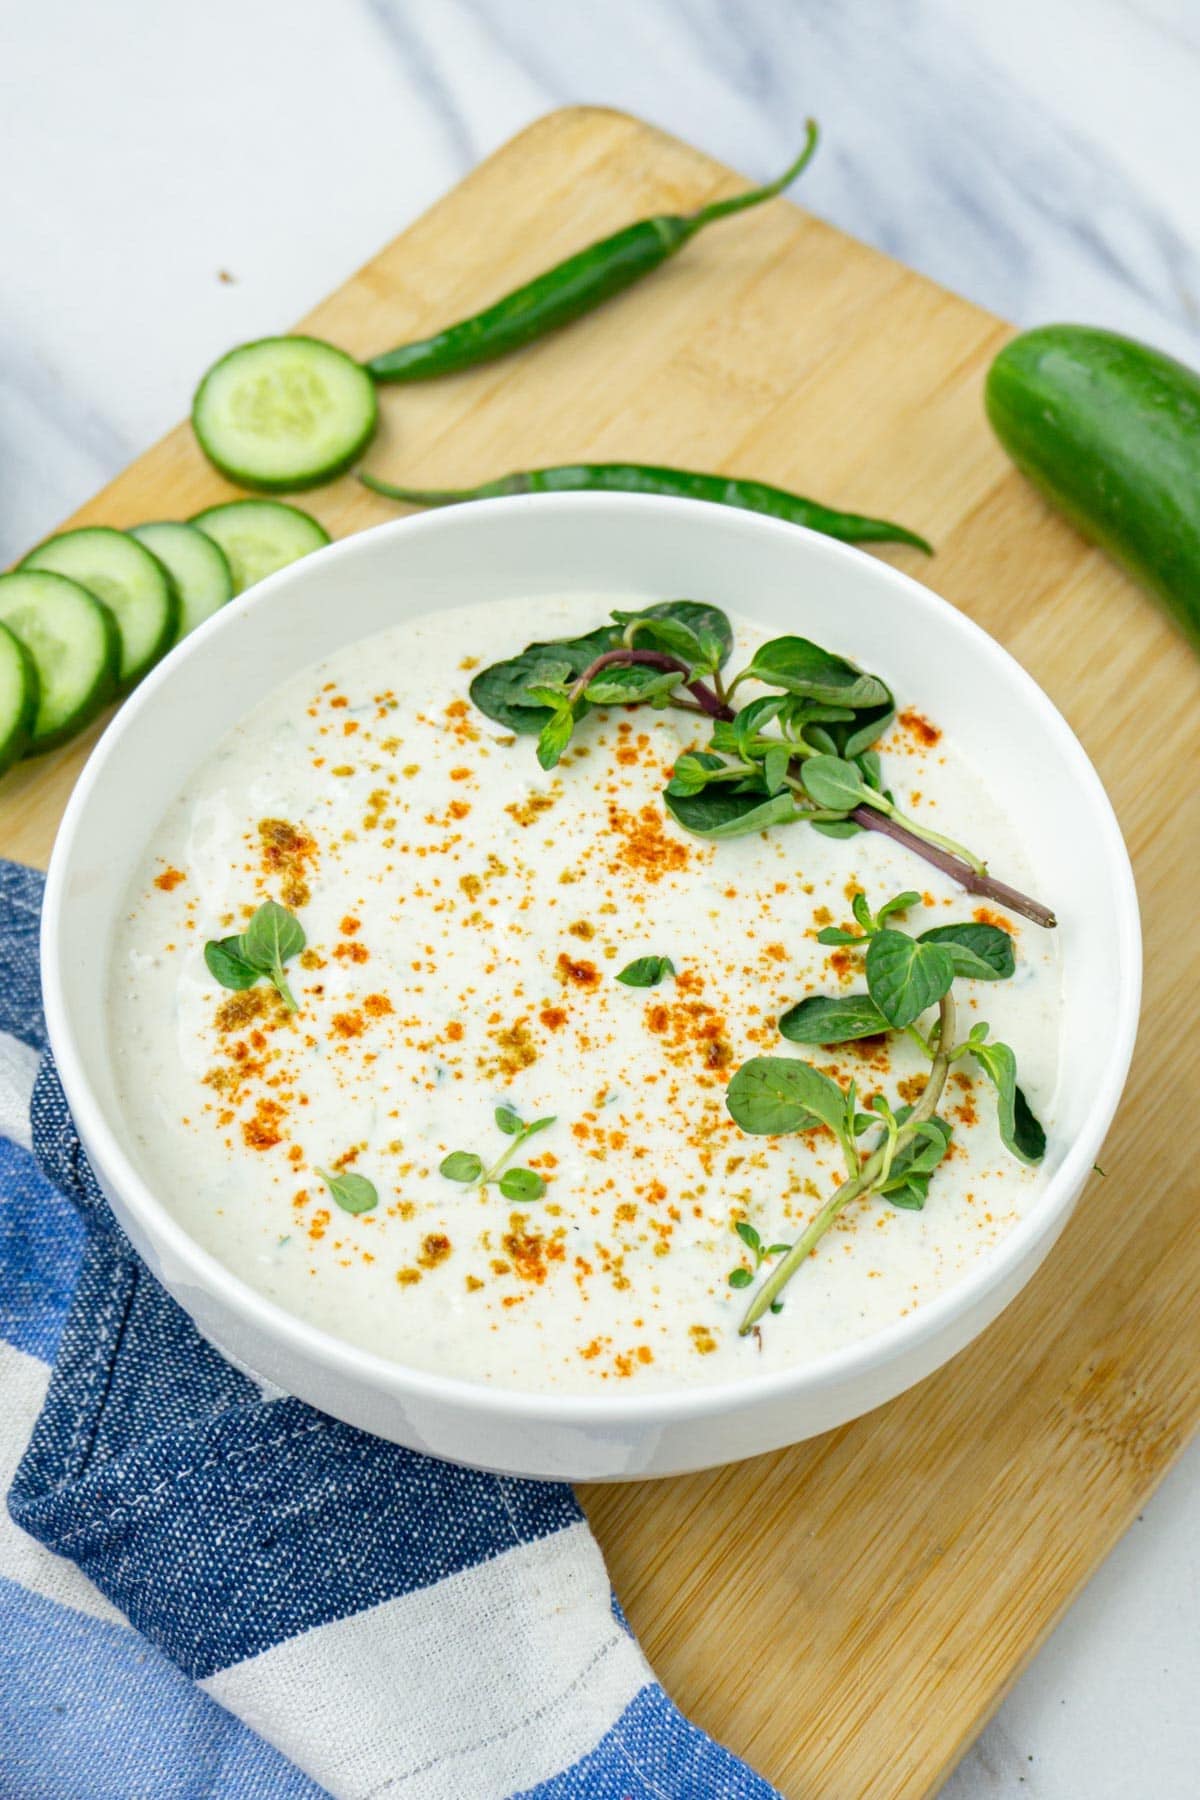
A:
(892, 1154)
(273, 936)
(515, 1184)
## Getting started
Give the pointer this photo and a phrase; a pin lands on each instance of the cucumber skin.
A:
(280, 484)
(104, 690)
(170, 624)
(1108, 430)
(17, 743)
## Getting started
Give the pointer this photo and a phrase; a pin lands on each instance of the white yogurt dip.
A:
(466, 917)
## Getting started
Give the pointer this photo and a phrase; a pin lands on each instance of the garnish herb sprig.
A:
(514, 1184)
(800, 753)
(273, 936)
(906, 976)
(742, 1277)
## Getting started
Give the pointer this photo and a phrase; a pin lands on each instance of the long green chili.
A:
(682, 484)
(572, 287)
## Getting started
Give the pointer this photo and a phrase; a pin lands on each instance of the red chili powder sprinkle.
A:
(577, 974)
(919, 727)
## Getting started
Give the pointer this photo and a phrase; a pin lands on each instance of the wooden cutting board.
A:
(847, 1613)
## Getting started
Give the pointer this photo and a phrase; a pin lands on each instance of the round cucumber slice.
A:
(197, 565)
(131, 582)
(260, 536)
(18, 698)
(284, 413)
(76, 648)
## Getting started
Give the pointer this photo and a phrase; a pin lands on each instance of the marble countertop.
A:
(178, 179)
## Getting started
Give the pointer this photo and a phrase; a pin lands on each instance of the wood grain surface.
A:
(846, 1613)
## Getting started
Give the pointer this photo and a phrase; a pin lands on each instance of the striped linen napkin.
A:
(314, 1611)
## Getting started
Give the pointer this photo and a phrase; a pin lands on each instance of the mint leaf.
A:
(646, 971)
(905, 976)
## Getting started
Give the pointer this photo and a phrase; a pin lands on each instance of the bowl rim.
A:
(359, 1367)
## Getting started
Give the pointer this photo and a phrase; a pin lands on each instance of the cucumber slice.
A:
(284, 413)
(131, 582)
(260, 536)
(18, 698)
(76, 648)
(197, 565)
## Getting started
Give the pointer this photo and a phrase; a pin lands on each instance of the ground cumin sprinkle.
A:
(288, 857)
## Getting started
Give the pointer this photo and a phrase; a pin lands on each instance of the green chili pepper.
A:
(571, 288)
(678, 484)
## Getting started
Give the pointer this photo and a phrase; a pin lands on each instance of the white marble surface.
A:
(1040, 156)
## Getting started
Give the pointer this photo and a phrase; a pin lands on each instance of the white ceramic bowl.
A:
(788, 579)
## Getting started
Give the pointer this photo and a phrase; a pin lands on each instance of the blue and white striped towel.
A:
(314, 1610)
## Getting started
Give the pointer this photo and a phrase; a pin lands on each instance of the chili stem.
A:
(721, 209)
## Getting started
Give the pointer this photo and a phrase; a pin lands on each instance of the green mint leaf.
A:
(724, 737)
(718, 813)
(1028, 1134)
(978, 952)
(750, 721)
(1019, 1129)
(646, 971)
(554, 697)
(909, 1195)
(907, 1185)
(668, 634)
(870, 767)
(870, 723)
(502, 690)
(836, 828)
(905, 977)
(461, 1165)
(510, 1122)
(922, 1154)
(770, 1095)
(817, 738)
(353, 1193)
(692, 772)
(899, 903)
(227, 964)
(627, 684)
(554, 737)
(835, 785)
(740, 1277)
(862, 912)
(837, 1019)
(833, 934)
(775, 767)
(707, 623)
(778, 1250)
(273, 936)
(522, 1184)
(749, 1236)
(539, 1125)
(800, 714)
(803, 668)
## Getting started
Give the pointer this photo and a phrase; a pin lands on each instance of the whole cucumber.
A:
(1109, 431)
